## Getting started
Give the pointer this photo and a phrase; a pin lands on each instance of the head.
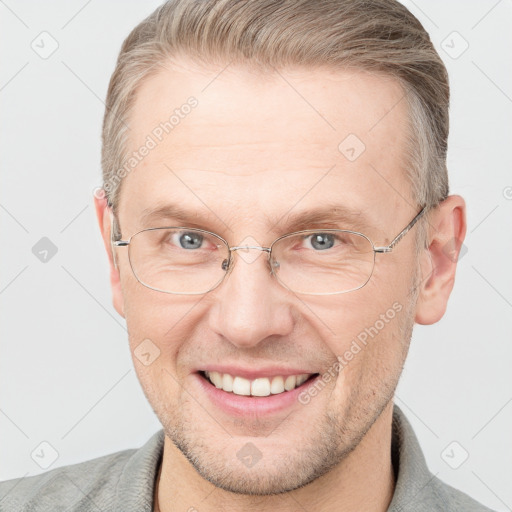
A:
(243, 116)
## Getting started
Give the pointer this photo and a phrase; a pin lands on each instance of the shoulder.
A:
(417, 489)
(453, 500)
(119, 481)
(87, 483)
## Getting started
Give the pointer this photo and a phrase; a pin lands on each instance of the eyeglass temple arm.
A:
(113, 231)
(389, 248)
(115, 243)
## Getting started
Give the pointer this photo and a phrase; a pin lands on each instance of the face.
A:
(254, 152)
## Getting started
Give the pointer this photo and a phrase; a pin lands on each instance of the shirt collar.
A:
(415, 485)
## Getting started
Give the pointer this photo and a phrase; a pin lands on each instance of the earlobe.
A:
(103, 214)
(446, 232)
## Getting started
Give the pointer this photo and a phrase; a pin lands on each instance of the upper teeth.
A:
(262, 386)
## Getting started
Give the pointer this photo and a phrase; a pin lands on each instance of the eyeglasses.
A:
(189, 261)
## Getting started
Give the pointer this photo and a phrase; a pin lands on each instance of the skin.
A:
(253, 148)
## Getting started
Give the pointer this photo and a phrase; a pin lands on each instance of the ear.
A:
(104, 215)
(446, 232)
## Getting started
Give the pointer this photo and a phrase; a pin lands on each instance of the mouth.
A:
(257, 388)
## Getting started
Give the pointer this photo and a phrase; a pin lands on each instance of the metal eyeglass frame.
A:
(227, 265)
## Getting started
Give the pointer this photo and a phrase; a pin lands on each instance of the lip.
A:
(248, 406)
(251, 374)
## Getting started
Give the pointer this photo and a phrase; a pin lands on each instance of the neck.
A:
(363, 481)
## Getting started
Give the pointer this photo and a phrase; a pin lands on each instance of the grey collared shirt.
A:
(124, 482)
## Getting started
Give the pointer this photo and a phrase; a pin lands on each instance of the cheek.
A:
(366, 330)
(157, 334)
(159, 320)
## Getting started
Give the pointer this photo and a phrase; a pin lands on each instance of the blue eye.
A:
(189, 240)
(322, 241)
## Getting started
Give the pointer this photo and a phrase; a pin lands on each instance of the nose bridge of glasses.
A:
(258, 247)
(228, 264)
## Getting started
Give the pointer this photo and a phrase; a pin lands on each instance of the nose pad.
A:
(229, 263)
(274, 266)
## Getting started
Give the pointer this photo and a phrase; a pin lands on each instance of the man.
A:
(276, 217)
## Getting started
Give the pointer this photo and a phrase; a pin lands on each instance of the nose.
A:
(250, 305)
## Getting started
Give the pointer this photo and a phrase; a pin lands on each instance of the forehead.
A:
(246, 147)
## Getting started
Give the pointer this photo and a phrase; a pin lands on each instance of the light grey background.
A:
(67, 378)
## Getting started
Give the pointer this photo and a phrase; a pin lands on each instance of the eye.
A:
(321, 241)
(187, 240)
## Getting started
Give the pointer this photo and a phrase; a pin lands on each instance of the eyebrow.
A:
(170, 211)
(327, 216)
(335, 216)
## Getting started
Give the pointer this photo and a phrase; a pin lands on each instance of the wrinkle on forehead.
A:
(249, 148)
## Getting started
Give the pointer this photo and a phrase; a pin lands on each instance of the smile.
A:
(262, 386)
